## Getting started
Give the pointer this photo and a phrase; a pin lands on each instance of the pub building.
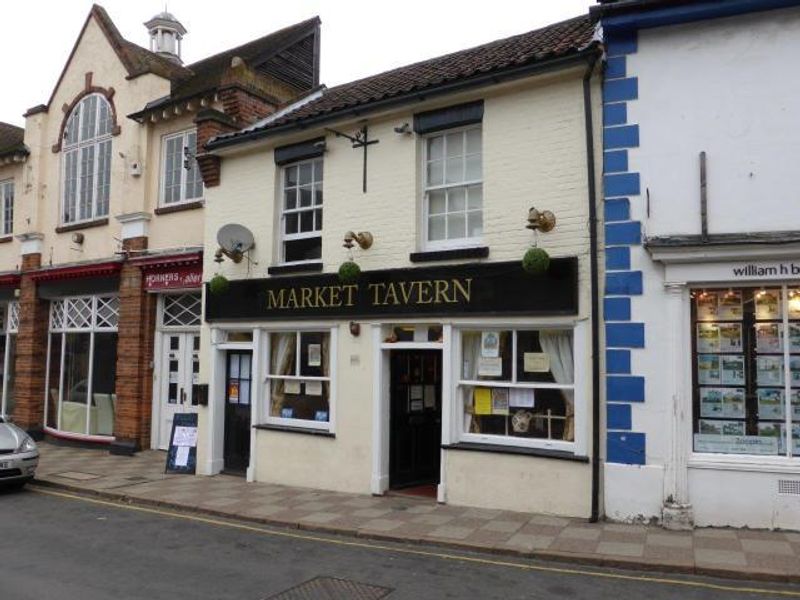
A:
(438, 366)
(102, 225)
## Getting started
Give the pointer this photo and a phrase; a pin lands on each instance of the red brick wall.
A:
(244, 107)
(31, 359)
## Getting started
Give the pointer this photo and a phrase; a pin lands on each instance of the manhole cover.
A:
(331, 588)
(136, 478)
(77, 475)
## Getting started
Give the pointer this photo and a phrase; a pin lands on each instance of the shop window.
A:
(7, 207)
(87, 161)
(746, 371)
(182, 310)
(517, 386)
(299, 378)
(180, 175)
(82, 360)
(301, 213)
(453, 187)
(9, 324)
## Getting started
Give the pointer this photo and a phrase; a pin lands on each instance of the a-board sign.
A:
(182, 453)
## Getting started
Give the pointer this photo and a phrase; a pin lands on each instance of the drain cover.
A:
(331, 588)
(77, 475)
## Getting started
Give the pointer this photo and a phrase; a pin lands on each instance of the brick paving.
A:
(742, 553)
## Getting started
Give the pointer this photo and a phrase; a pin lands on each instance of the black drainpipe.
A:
(587, 108)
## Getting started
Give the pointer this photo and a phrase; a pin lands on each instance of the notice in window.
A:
(707, 307)
(500, 401)
(768, 337)
(730, 306)
(233, 392)
(521, 398)
(185, 436)
(291, 387)
(483, 401)
(490, 344)
(768, 305)
(314, 355)
(490, 367)
(708, 372)
(536, 362)
(733, 370)
(430, 396)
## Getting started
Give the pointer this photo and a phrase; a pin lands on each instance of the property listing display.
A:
(746, 364)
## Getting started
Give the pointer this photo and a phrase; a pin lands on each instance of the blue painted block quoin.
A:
(618, 416)
(618, 258)
(625, 447)
(625, 335)
(620, 44)
(617, 209)
(622, 184)
(623, 234)
(625, 389)
(615, 114)
(616, 67)
(618, 362)
(617, 309)
(618, 90)
(626, 136)
(615, 161)
(624, 283)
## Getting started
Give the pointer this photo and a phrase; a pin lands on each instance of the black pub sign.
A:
(499, 288)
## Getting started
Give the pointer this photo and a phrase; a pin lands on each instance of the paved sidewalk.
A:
(751, 554)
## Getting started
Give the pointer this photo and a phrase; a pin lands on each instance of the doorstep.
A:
(733, 553)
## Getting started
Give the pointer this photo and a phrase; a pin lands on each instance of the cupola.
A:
(166, 33)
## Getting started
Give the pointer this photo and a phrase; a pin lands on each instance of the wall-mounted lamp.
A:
(364, 239)
(322, 145)
(543, 220)
(355, 329)
(77, 238)
(404, 129)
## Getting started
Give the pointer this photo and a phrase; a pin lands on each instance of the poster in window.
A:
(490, 367)
(287, 413)
(313, 388)
(733, 403)
(730, 306)
(708, 369)
(321, 415)
(707, 306)
(315, 355)
(415, 392)
(430, 396)
(499, 401)
(233, 392)
(775, 431)
(490, 344)
(768, 305)
(768, 337)
(769, 370)
(770, 403)
(710, 427)
(796, 405)
(794, 337)
(707, 337)
(794, 304)
(732, 427)
(483, 401)
(291, 386)
(710, 402)
(730, 337)
(536, 362)
(794, 367)
(733, 369)
(521, 398)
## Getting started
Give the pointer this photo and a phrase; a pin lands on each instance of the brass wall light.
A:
(364, 240)
(541, 220)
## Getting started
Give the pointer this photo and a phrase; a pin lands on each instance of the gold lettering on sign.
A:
(305, 298)
(376, 289)
(466, 291)
(424, 296)
(275, 300)
(319, 298)
(351, 290)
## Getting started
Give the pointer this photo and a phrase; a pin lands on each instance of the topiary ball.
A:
(536, 261)
(349, 272)
(219, 284)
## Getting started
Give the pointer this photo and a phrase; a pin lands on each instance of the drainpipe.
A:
(595, 287)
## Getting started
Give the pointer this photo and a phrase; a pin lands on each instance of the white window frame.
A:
(60, 330)
(7, 207)
(162, 188)
(265, 417)
(283, 237)
(581, 394)
(9, 325)
(76, 148)
(448, 244)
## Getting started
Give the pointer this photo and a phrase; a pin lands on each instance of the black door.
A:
(238, 380)
(416, 417)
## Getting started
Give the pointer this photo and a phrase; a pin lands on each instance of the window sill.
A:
(300, 430)
(456, 253)
(178, 207)
(744, 462)
(6, 239)
(310, 267)
(519, 450)
(82, 225)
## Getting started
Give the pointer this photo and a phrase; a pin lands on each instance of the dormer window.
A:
(87, 161)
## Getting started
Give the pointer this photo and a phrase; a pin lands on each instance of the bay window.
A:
(517, 387)
(87, 161)
(299, 380)
(453, 188)
(746, 370)
(180, 175)
(80, 382)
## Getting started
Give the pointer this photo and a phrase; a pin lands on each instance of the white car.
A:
(19, 456)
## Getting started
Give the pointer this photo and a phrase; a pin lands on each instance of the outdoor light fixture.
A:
(364, 239)
(543, 220)
(404, 129)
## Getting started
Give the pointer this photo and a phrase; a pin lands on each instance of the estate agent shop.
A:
(441, 366)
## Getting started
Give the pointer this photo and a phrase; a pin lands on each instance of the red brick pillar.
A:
(134, 355)
(31, 358)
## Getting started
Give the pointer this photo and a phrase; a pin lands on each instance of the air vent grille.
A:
(789, 487)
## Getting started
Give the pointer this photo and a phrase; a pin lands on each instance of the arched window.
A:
(87, 160)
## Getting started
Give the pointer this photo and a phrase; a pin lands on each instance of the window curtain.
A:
(283, 355)
(558, 346)
(471, 349)
(326, 348)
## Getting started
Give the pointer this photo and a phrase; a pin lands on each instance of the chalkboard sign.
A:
(182, 453)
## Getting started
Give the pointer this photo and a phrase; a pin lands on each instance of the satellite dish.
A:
(234, 240)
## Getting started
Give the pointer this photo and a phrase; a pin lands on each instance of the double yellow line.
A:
(427, 553)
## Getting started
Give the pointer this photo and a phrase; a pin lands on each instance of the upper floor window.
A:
(180, 177)
(7, 207)
(453, 187)
(301, 212)
(87, 160)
